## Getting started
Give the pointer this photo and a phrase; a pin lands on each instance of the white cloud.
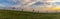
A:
(25, 4)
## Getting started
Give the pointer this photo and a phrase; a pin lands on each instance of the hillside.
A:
(11, 14)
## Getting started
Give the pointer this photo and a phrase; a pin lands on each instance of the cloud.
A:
(8, 2)
(27, 5)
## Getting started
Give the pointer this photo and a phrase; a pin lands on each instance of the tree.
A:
(13, 8)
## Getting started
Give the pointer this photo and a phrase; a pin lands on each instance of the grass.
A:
(11, 14)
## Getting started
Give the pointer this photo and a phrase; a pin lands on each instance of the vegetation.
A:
(11, 14)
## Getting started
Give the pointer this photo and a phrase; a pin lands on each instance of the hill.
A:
(12, 14)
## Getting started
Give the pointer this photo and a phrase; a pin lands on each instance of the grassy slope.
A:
(9, 14)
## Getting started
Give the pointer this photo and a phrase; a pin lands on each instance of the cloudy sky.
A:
(29, 5)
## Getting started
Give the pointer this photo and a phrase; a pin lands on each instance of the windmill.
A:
(38, 11)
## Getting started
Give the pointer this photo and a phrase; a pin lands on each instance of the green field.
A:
(11, 14)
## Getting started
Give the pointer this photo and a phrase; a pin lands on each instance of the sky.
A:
(8, 2)
(29, 5)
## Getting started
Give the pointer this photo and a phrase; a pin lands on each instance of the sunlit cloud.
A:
(29, 5)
